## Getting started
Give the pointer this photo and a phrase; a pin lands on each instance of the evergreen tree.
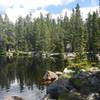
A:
(93, 25)
(96, 33)
(2, 44)
(78, 33)
(9, 33)
(67, 33)
(20, 36)
(47, 35)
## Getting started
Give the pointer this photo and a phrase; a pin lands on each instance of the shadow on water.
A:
(26, 71)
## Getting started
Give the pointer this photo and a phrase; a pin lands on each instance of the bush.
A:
(83, 64)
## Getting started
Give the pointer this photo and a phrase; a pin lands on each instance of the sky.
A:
(16, 8)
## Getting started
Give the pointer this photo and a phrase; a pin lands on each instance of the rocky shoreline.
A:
(70, 85)
(82, 85)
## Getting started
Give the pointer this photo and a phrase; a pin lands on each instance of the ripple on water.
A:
(27, 94)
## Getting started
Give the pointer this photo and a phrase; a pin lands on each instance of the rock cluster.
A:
(82, 85)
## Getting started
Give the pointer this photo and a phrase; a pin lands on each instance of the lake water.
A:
(22, 76)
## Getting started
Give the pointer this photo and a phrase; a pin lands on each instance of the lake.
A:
(22, 76)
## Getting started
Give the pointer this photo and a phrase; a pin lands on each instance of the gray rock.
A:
(82, 75)
(58, 87)
(94, 80)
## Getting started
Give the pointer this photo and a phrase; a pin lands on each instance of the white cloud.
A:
(16, 8)
(62, 14)
(6, 3)
(34, 4)
(66, 11)
(85, 11)
(36, 13)
(13, 14)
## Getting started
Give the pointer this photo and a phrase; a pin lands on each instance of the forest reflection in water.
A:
(20, 75)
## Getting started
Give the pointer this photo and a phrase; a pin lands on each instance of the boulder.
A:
(95, 79)
(67, 71)
(58, 73)
(82, 75)
(93, 96)
(98, 56)
(49, 75)
(94, 69)
(47, 82)
(86, 82)
(14, 98)
(58, 87)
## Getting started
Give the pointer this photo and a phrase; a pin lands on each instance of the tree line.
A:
(47, 35)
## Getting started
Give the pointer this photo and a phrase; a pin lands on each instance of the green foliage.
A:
(82, 64)
(45, 35)
(93, 31)
(68, 75)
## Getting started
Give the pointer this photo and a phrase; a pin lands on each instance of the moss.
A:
(70, 75)
(80, 83)
(77, 82)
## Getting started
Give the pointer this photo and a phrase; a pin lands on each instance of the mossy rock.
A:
(80, 83)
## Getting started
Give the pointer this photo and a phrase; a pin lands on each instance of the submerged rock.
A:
(14, 98)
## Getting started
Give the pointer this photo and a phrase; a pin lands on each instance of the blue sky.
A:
(15, 8)
(70, 6)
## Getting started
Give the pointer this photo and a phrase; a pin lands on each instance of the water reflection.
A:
(22, 75)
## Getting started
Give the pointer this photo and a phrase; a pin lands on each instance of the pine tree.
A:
(78, 33)
(2, 43)
(96, 33)
(20, 36)
(93, 25)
